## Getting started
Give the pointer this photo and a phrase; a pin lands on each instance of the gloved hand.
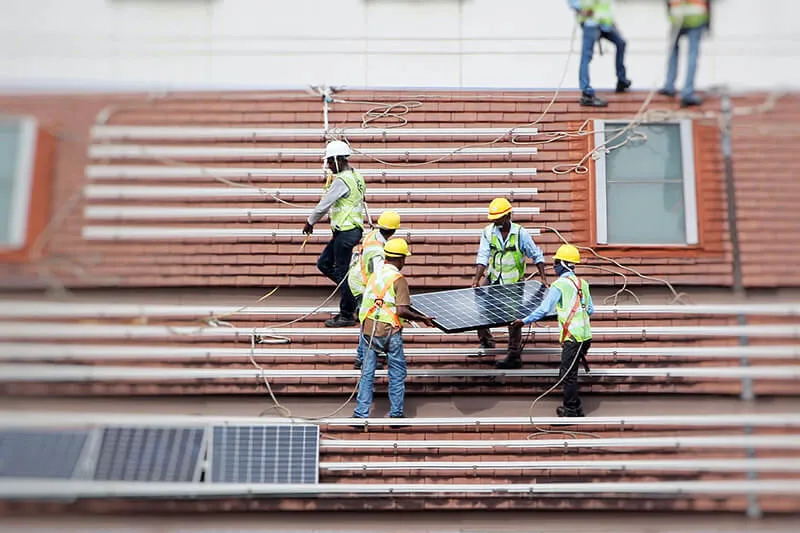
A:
(308, 229)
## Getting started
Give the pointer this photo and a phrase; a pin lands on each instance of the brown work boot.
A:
(512, 361)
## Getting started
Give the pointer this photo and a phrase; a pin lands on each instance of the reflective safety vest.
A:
(688, 13)
(506, 261)
(379, 297)
(571, 308)
(348, 211)
(361, 263)
(601, 12)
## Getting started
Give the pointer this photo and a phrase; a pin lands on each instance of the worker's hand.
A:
(428, 321)
(476, 282)
(545, 282)
(518, 323)
(308, 229)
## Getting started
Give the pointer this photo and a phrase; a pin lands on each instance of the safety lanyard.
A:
(577, 305)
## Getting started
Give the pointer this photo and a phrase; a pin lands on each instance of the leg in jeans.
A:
(343, 245)
(590, 35)
(694, 36)
(514, 342)
(325, 261)
(367, 383)
(672, 65)
(571, 352)
(397, 375)
(361, 351)
(613, 35)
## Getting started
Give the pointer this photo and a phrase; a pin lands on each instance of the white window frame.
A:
(689, 187)
(23, 181)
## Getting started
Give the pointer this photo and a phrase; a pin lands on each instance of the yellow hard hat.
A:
(396, 248)
(568, 253)
(389, 220)
(499, 207)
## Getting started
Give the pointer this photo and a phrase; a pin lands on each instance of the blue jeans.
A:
(393, 347)
(591, 33)
(694, 35)
(334, 262)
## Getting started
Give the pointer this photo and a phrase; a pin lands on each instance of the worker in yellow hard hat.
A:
(344, 198)
(385, 304)
(367, 259)
(570, 298)
(501, 257)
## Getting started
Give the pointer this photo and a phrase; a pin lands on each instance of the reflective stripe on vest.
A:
(348, 211)
(379, 297)
(688, 13)
(601, 12)
(571, 309)
(371, 247)
(506, 261)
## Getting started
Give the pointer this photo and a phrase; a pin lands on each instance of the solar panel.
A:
(149, 454)
(491, 305)
(40, 454)
(265, 454)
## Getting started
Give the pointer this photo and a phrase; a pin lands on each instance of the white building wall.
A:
(160, 44)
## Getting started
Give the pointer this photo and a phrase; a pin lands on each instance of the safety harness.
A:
(577, 305)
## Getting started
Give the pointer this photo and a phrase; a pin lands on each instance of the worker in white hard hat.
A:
(368, 259)
(501, 260)
(344, 198)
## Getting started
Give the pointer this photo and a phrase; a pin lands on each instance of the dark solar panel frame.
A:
(487, 306)
(41, 453)
(150, 454)
(267, 453)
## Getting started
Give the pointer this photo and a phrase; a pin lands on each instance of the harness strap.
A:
(379, 301)
(565, 326)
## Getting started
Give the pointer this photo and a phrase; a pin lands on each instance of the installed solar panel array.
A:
(40, 454)
(265, 454)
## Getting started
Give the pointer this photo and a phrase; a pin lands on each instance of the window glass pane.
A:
(9, 145)
(646, 213)
(656, 156)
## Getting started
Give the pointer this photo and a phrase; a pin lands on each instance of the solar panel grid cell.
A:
(40, 453)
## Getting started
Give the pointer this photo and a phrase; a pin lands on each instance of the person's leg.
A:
(514, 356)
(590, 36)
(485, 338)
(367, 383)
(343, 252)
(326, 260)
(397, 375)
(688, 95)
(672, 68)
(614, 36)
(361, 351)
(570, 354)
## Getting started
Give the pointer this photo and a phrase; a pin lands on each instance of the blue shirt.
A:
(525, 243)
(576, 5)
(548, 305)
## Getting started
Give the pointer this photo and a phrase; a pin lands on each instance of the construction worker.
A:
(501, 260)
(368, 259)
(344, 198)
(569, 296)
(689, 18)
(597, 22)
(386, 302)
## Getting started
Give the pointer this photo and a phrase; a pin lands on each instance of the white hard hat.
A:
(337, 149)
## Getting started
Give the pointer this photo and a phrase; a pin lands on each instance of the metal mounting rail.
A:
(86, 373)
(139, 192)
(19, 489)
(10, 351)
(210, 153)
(19, 330)
(43, 308)
(62, 419)
(783, 464)
(312, 134)
(310, 174)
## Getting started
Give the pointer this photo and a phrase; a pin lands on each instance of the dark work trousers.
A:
(514, 339)
(570, 351)
(334, 262)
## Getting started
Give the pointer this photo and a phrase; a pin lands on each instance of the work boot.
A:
(512, 361)
(401, 425)
(564, 412)
(339, 321)
(667, 92)
(691, 100)
(623, 86)
(592, 101)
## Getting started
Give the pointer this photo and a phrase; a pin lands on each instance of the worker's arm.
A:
(530, 249)
(589, 302)
(337, 190)
(547, 307)
(481, 261)
(576, 6)
(403, 303)
(405, 311)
